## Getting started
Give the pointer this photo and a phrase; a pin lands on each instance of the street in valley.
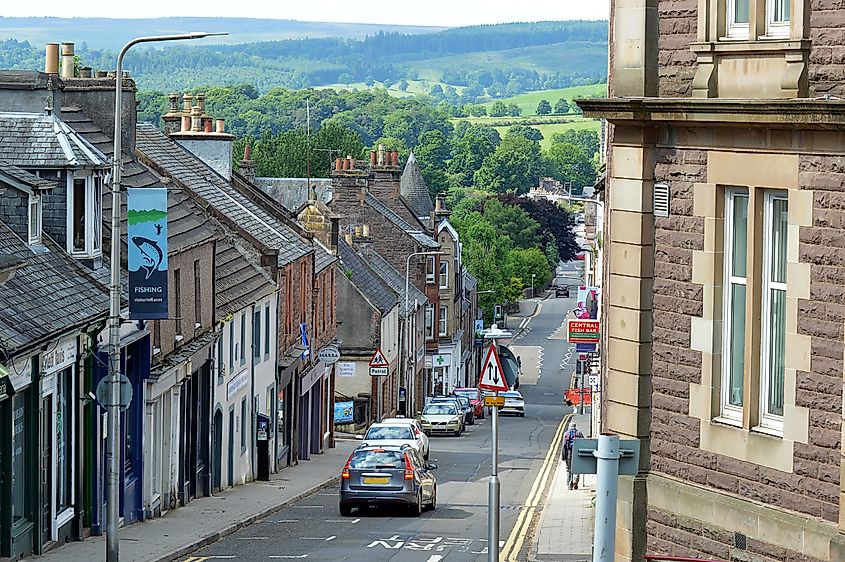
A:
(312, 529)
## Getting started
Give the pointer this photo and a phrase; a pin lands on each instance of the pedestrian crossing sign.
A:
(492, 374)
(379, 360)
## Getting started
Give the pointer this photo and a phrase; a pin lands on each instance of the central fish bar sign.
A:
(147, 253)
(582, 331)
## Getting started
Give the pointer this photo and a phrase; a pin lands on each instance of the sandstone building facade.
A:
(724, 310)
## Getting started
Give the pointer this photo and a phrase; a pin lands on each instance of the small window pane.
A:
(779, 223)
(741, 11)
(78, 215)
(739, 230)
(777, 339)
(780, 11)
(97, 219)
(736, 361)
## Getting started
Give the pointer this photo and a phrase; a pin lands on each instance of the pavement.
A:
(207, 520)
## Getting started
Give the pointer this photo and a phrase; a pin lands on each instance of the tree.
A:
(515, 166)
(514, 110)
(436, 90)
(470, 145)
(403, 85)
(513, 222)
(555, 223)
(476, 110)
(544, 107)
(526, 131)
(572, 164)
(587, 140)
(561, 106)
(525, 262)
(498, 109)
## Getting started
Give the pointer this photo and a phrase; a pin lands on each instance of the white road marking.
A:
(342, 520)
(310, 506)
(288, 556)
(252, 538)
(435, 558)
(331, 538)
(287, 521)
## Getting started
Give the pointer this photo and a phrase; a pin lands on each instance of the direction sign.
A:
(492, 374)
(494, 401)
(379, 360)
(379, 371)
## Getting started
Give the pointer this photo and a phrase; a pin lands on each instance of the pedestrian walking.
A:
(569, 438)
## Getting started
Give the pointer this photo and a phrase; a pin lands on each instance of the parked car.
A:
(562, 291)
(416, 427)
(475, 399)
(463, 405)
(387, 475)
(514, 403)
(441, 417)
(396, 434)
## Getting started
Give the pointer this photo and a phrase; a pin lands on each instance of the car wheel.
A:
(433, 504)
(425, 456)
(457, 433)
(416, 509)
(345, 510)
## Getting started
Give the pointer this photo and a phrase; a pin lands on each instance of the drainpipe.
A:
(253, 445)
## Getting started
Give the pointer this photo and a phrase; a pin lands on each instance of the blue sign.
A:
(344, 412)
(147, 253)
(585, 348)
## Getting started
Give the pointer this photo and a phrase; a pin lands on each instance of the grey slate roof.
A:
(39, 140)
(413, 190)
(239, 280)
(49, 295)
(395, 280)
(470, 282)
(292, 193)
(418, 235)
(21, 179)
(377, 291)
(178, 163)
(323, 257)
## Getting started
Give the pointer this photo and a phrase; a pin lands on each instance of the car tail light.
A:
(409, 469)
(345, 473)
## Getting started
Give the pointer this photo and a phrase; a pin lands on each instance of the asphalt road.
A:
(312, 529)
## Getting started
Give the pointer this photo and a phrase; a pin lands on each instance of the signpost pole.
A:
(378, 399)
(607, 476)
(581, 366)
(493, 494)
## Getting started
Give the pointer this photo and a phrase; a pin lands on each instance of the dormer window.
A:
(34, 219)
(85, 215)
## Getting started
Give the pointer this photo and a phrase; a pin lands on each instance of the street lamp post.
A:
(409, 388)
(113, 406)
(533, 275)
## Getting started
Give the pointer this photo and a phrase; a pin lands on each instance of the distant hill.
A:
(112, 34)
(463, 65)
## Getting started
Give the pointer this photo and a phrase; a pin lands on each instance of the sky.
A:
(448, 13)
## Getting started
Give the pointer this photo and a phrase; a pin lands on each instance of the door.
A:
(46, 469)
(231, 465)
(217, 448)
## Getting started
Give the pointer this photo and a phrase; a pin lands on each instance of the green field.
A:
(548, 129)
(528, 101)
(414, 87)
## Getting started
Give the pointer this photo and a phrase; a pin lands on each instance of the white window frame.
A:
(429, 269)
(444, 321)
(429, 322)
(444, 274)
(729, 412)
(34, 236)
(768, 420)
(777, 29)
(736, 30)
(93, 248)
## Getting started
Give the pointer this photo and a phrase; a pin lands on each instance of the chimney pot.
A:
(358, 231)
(373, 158)
(200, 98)
(394, 158)
(51, 63)
(351, 163)
(338, 164)
(101, 74)
(174, 102)
(381, 155)
(346, 163)
(348, 238)
(85, 72)
(187, 102)
(67, 60)
(186, 123)
(220, 125)
(195, 119)
(366, 231)
(247, 152)
(206, 126)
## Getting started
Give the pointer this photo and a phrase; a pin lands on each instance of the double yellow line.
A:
(513, 546)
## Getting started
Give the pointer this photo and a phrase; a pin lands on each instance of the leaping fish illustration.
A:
(151, 254)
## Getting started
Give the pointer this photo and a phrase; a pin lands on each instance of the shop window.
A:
(64, 447)
(20, 466)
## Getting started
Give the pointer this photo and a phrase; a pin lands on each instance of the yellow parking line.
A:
(513, 545)
(195, 559)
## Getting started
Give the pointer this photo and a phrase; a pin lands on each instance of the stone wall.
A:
(827, 55)
(677, 26)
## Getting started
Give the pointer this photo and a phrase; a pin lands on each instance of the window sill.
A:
(736, 45)
(731, 422)
(768, 431)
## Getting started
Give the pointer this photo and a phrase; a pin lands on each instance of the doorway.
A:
(218, 451)
(231, 465)
(46, 469)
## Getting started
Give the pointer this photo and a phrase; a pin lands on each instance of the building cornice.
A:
(824, 114)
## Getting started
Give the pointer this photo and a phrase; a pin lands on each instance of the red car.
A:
(475, 398)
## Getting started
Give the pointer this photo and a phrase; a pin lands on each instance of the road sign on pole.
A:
(379, 360)
(492, 374)
(379, 367)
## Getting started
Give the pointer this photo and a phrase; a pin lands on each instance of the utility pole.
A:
(113, 407)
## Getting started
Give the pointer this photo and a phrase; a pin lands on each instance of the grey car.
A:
(463, 404)
(387, 475)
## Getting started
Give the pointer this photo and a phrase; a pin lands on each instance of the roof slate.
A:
(49, 294)
(413, 190)
(292, 193)
(377, 291)
(41, 140)
(418, 235)
(395, 280)
(239, 280)
(195, 175)
(13, 175)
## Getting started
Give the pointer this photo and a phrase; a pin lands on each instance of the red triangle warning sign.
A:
(379, 360)
(492, 374)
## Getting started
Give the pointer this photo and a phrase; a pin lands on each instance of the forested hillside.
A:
(489, 61)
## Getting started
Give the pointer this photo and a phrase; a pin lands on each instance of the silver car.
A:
(388, 475)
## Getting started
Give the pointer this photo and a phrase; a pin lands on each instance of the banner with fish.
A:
(147, 253)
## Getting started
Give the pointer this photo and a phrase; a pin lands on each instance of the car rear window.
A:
(470, 394)
(377, 459)
(440, 409)
(390, 432)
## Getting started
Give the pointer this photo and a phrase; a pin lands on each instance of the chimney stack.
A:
(51, 62)
(85, 72)
(248, 165)
(67, 60)
(173, 118)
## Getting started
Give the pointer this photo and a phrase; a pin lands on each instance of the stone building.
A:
(725, 274)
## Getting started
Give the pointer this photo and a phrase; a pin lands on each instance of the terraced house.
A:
(725, 273)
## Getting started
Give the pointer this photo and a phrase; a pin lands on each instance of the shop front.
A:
(311, 403)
